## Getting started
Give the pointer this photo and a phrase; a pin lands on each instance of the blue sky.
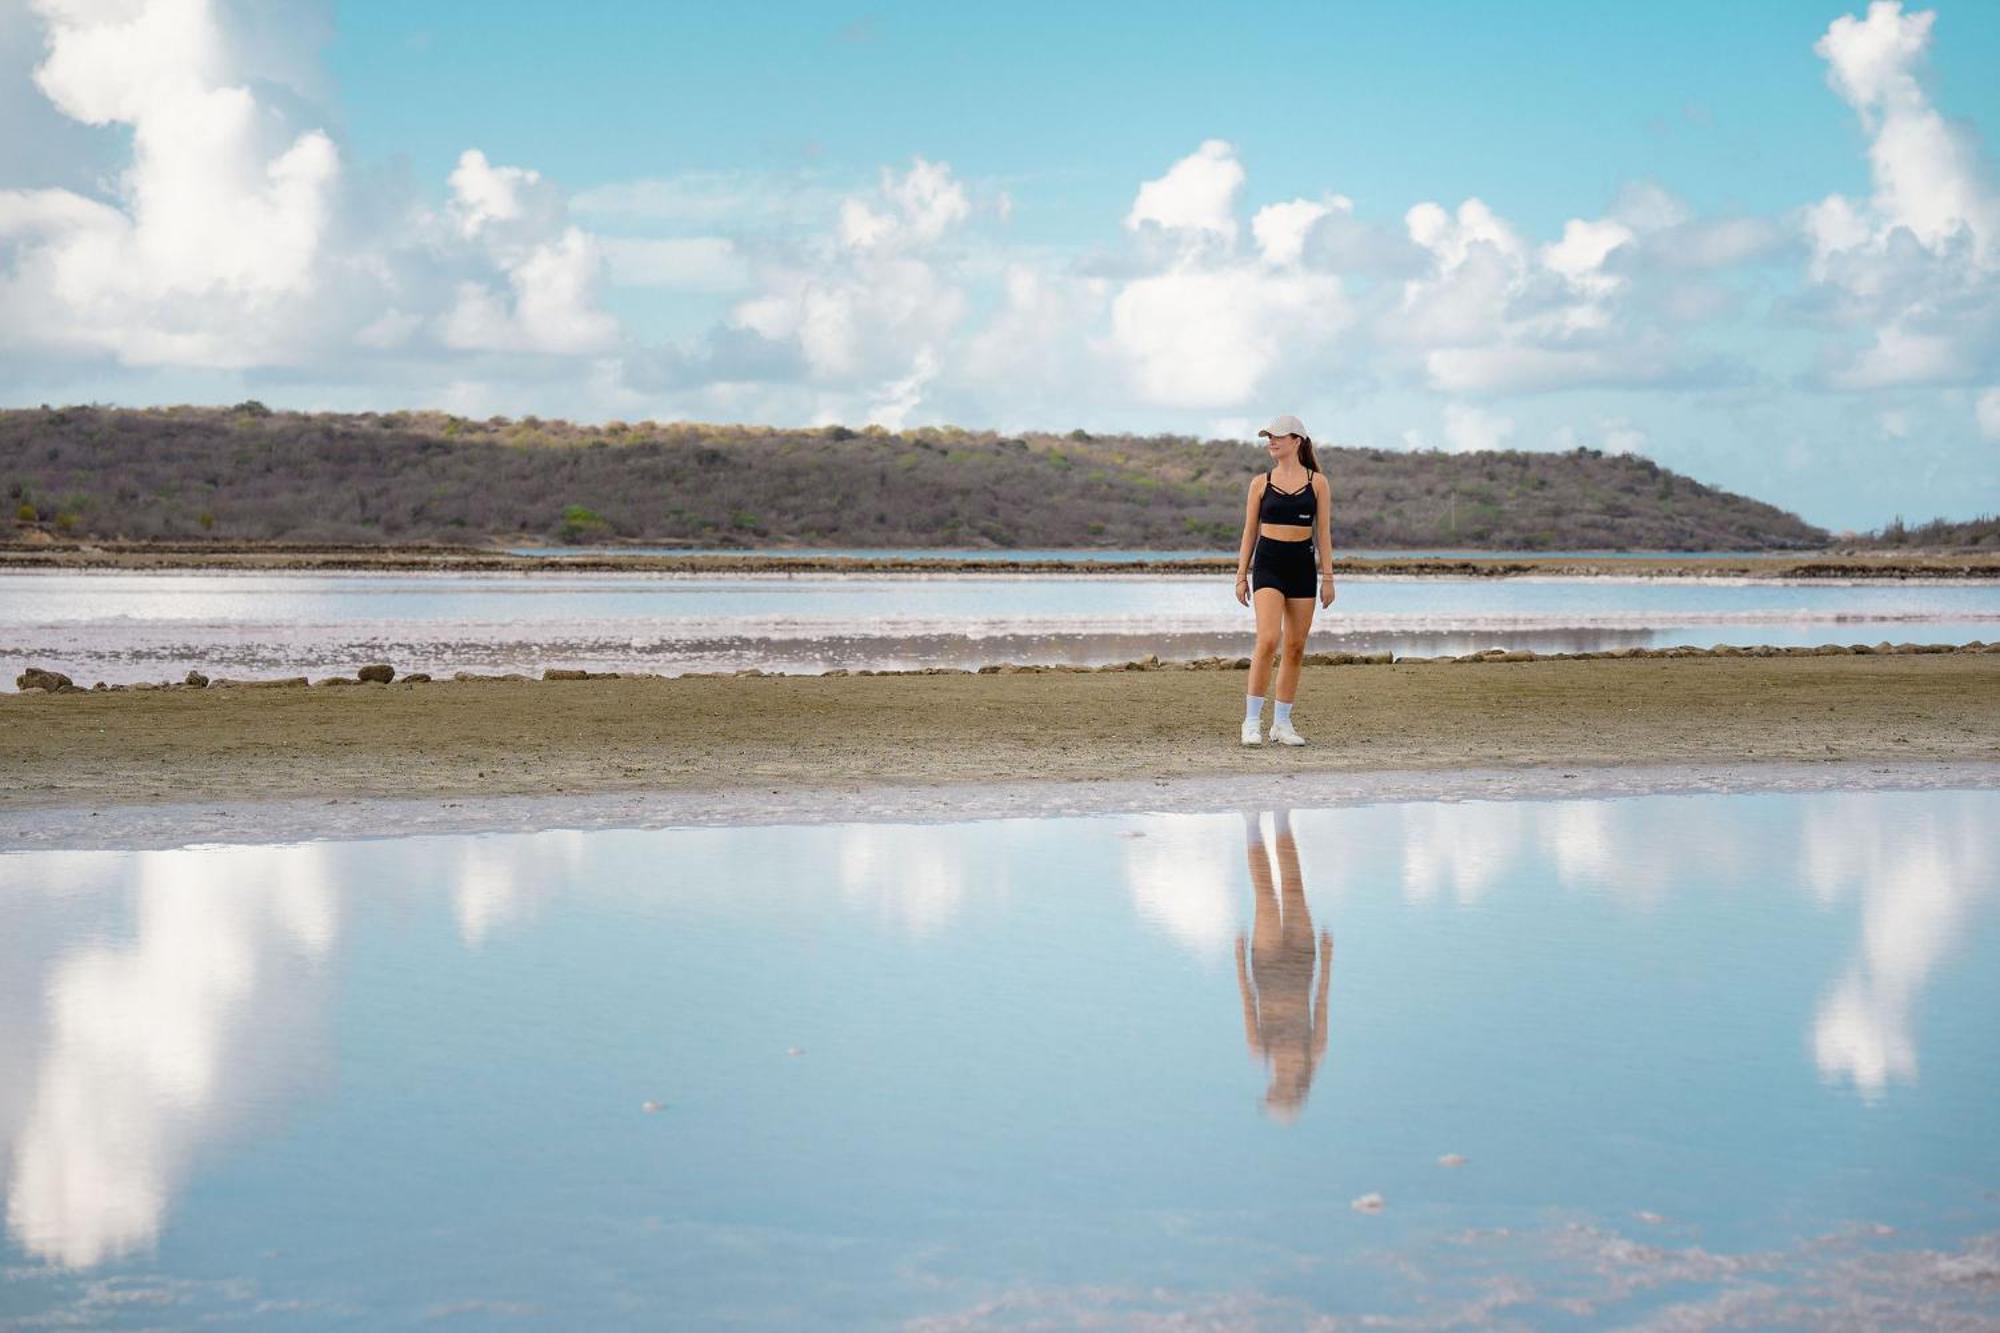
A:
(1759, 243)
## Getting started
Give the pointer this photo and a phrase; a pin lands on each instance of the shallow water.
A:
(1705, 1059)
(121, 627)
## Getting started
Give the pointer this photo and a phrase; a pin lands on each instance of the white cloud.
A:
(550, 307)
(1579, 256)
(1986, 411)
(1281, 229)
(1197, 195)
(871, 309)
(1916, 262)
(1202, 337)
(1468, 429)
(483, 193)
(221, 215)
(1209, 328)
(233, 238)
(690, 263)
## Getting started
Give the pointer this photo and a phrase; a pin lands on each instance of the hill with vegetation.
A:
(246, 473)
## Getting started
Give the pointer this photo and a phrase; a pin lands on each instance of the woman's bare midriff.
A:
(1285, 532)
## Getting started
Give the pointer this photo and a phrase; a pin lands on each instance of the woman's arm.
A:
(1323, 526)
(1249, 540)
(1324, 947)
(1249, 1001)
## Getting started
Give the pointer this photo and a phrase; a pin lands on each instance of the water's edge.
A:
(159, 826)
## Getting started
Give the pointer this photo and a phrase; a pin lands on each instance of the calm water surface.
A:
(1705, 1059)
(121, 627)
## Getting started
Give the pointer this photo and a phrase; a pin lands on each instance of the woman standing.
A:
(1285, 538)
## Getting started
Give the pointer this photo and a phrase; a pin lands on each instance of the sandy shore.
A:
(1820, 565)
(786, 734)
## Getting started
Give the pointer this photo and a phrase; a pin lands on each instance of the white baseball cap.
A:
(1284, 425)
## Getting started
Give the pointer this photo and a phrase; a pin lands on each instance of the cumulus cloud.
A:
(234, 238)
(221, 216)
(1487, 313)
(1915, 263)
(1281, 230)
(874, 300)
(1208, 329)
(1196, 197)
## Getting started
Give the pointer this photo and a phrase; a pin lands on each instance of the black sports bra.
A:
(1296, 508)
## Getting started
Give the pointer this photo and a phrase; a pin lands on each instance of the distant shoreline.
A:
(430, 558)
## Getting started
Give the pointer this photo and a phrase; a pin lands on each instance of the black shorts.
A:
(1287, 566)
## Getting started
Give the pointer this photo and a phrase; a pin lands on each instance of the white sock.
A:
(1283, 717)
(1253, 707)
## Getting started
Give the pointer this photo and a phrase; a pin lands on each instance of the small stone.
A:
(376, 671)
(336, 680)
(195, 680)
(1367, 1203)
(417, 678)
(565, 673)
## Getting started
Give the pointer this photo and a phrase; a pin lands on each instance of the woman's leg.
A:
(1270, 607)
(1297, 618)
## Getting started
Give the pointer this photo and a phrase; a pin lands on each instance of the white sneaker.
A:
(1251, 735)
(1282, 733)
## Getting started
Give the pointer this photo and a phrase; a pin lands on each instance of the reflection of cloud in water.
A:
(148, 1049)
(913, 875)
(1185, 874)
(1916, 864)
(500, 881)
(1917, 871)
(1461, 849)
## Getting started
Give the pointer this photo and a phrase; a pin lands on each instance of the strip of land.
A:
(419, 558)
(792, 733)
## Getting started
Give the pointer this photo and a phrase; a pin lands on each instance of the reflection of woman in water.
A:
(1284, 1014)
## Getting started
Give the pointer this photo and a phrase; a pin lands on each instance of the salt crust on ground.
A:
(151, 826)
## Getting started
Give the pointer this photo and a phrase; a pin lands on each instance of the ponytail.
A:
(1306, 453)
